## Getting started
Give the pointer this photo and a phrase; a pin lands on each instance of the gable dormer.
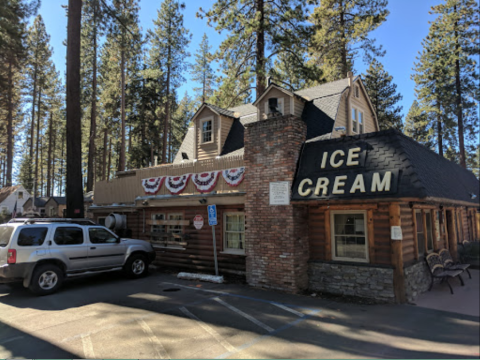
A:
(211, 127)
(277, 101)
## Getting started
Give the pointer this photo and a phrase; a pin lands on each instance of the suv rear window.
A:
(5, 234)
(32, 236)
(68, 236)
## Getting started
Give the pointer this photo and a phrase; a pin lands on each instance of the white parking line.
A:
(11, 339)
(240, 312)
(286, 308)
(208, 329)
(157, 345)
(88, 347)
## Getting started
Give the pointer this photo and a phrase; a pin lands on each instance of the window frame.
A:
(20, 195)
(152, 218)
(227, 250)
(354, 120)
(180, 227)
(357, 92)
(332, 235)
(212, 131)
(83, 243)
(361, 124)
(105, 229)
(280, 103)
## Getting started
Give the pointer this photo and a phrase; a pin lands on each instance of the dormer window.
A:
(207, 131)
(274, 107)
(357, 92)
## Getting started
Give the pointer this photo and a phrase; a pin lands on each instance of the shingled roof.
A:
(422, 173)
(319, 113)
(6, 191)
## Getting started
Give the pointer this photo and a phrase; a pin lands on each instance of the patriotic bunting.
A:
(152, 185)
(205, 182)
(176, 184)
(234, 177)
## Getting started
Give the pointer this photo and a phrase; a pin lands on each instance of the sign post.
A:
(212, 221)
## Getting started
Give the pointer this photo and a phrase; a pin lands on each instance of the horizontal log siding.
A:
(198, 253)
(125, 189)
(409, 250)
(318, 241)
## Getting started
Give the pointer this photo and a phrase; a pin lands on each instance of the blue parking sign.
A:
(212, 215)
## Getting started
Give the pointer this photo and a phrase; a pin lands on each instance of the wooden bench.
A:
(437, 270)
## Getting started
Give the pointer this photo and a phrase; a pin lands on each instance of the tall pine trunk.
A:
(121, 160)
(105, 144)
(37, 142)
(49, 156)
(458, 88)
(42, 187)
(32, 126)
(8, 176)
(93, 115)
(52, 175)
(74, 189)
(167, 103)
(60, 185)
(439, 130)
(109, 159)
(260, 50)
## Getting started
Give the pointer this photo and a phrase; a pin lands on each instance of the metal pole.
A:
(215, 250)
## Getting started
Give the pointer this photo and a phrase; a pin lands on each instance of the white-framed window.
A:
(358, 123)
(20, 195)
(349, 235)
(234, 232)
(277, 103)
(158, 228)
(206, 126)
(357, 92)
(175, 229)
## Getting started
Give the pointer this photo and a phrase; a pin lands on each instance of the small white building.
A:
(11, 194)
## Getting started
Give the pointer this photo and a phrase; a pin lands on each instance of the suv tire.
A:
(46, 279)
(136, 266)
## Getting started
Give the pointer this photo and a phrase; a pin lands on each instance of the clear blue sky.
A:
(400, 35)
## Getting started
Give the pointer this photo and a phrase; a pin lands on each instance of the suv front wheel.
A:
(136, 266)
(46, 279)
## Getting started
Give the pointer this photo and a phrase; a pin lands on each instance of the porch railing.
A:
(128, 185)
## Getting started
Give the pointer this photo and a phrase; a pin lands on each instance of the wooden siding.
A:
(361, 104)
(408, 232)
(298, 106)
(274, 93)
(342, 115)
(320, 243)
(125, 189)
(197, 255)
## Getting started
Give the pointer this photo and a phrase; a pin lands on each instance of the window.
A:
(349, 236)
(68, 236)
(354, 120)
(420, 232)
(20, 195)
(234, 233)
(5, 234)
(357, 92)
(52, 211)
(207, 130)
(101, 220)
(360, 122)
(428, 225)
(42, 211)
(459, 226)
(32, 236)
(437, 225)
(274, 106)
(158, 228)
(175, 229)
(101, 236)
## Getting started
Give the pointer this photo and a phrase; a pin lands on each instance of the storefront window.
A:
(234, 233)
(349, 236)
(420, 232)
(158, 228)
(459, 226)
(175, 229)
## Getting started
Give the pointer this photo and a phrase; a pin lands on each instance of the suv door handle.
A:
(92, 248)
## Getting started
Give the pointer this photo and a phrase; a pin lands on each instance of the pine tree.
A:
(341, 34)
(202, 71)
(181, 118)
(457, 22)
(169, 41)
(418, 126)
(384, 97)
(255, 27)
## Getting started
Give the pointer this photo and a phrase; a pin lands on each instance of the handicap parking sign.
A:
(212, 215)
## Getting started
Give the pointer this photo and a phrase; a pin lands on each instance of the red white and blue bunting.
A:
(205, 182)
(234, 177)
(176, 184)
(152, 185)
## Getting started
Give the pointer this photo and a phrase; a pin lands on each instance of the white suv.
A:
(41, 253)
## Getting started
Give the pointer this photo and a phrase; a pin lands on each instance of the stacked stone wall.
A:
(417, 280)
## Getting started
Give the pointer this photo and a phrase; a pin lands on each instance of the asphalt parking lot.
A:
(107, 317)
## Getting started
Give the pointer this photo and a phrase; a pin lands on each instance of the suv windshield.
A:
(5, 234)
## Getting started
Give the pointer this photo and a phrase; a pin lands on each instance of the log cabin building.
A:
(309, 194)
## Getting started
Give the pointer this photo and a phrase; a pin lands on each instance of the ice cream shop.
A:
(309, 195)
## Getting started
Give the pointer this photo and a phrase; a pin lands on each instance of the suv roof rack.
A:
(79, 221)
